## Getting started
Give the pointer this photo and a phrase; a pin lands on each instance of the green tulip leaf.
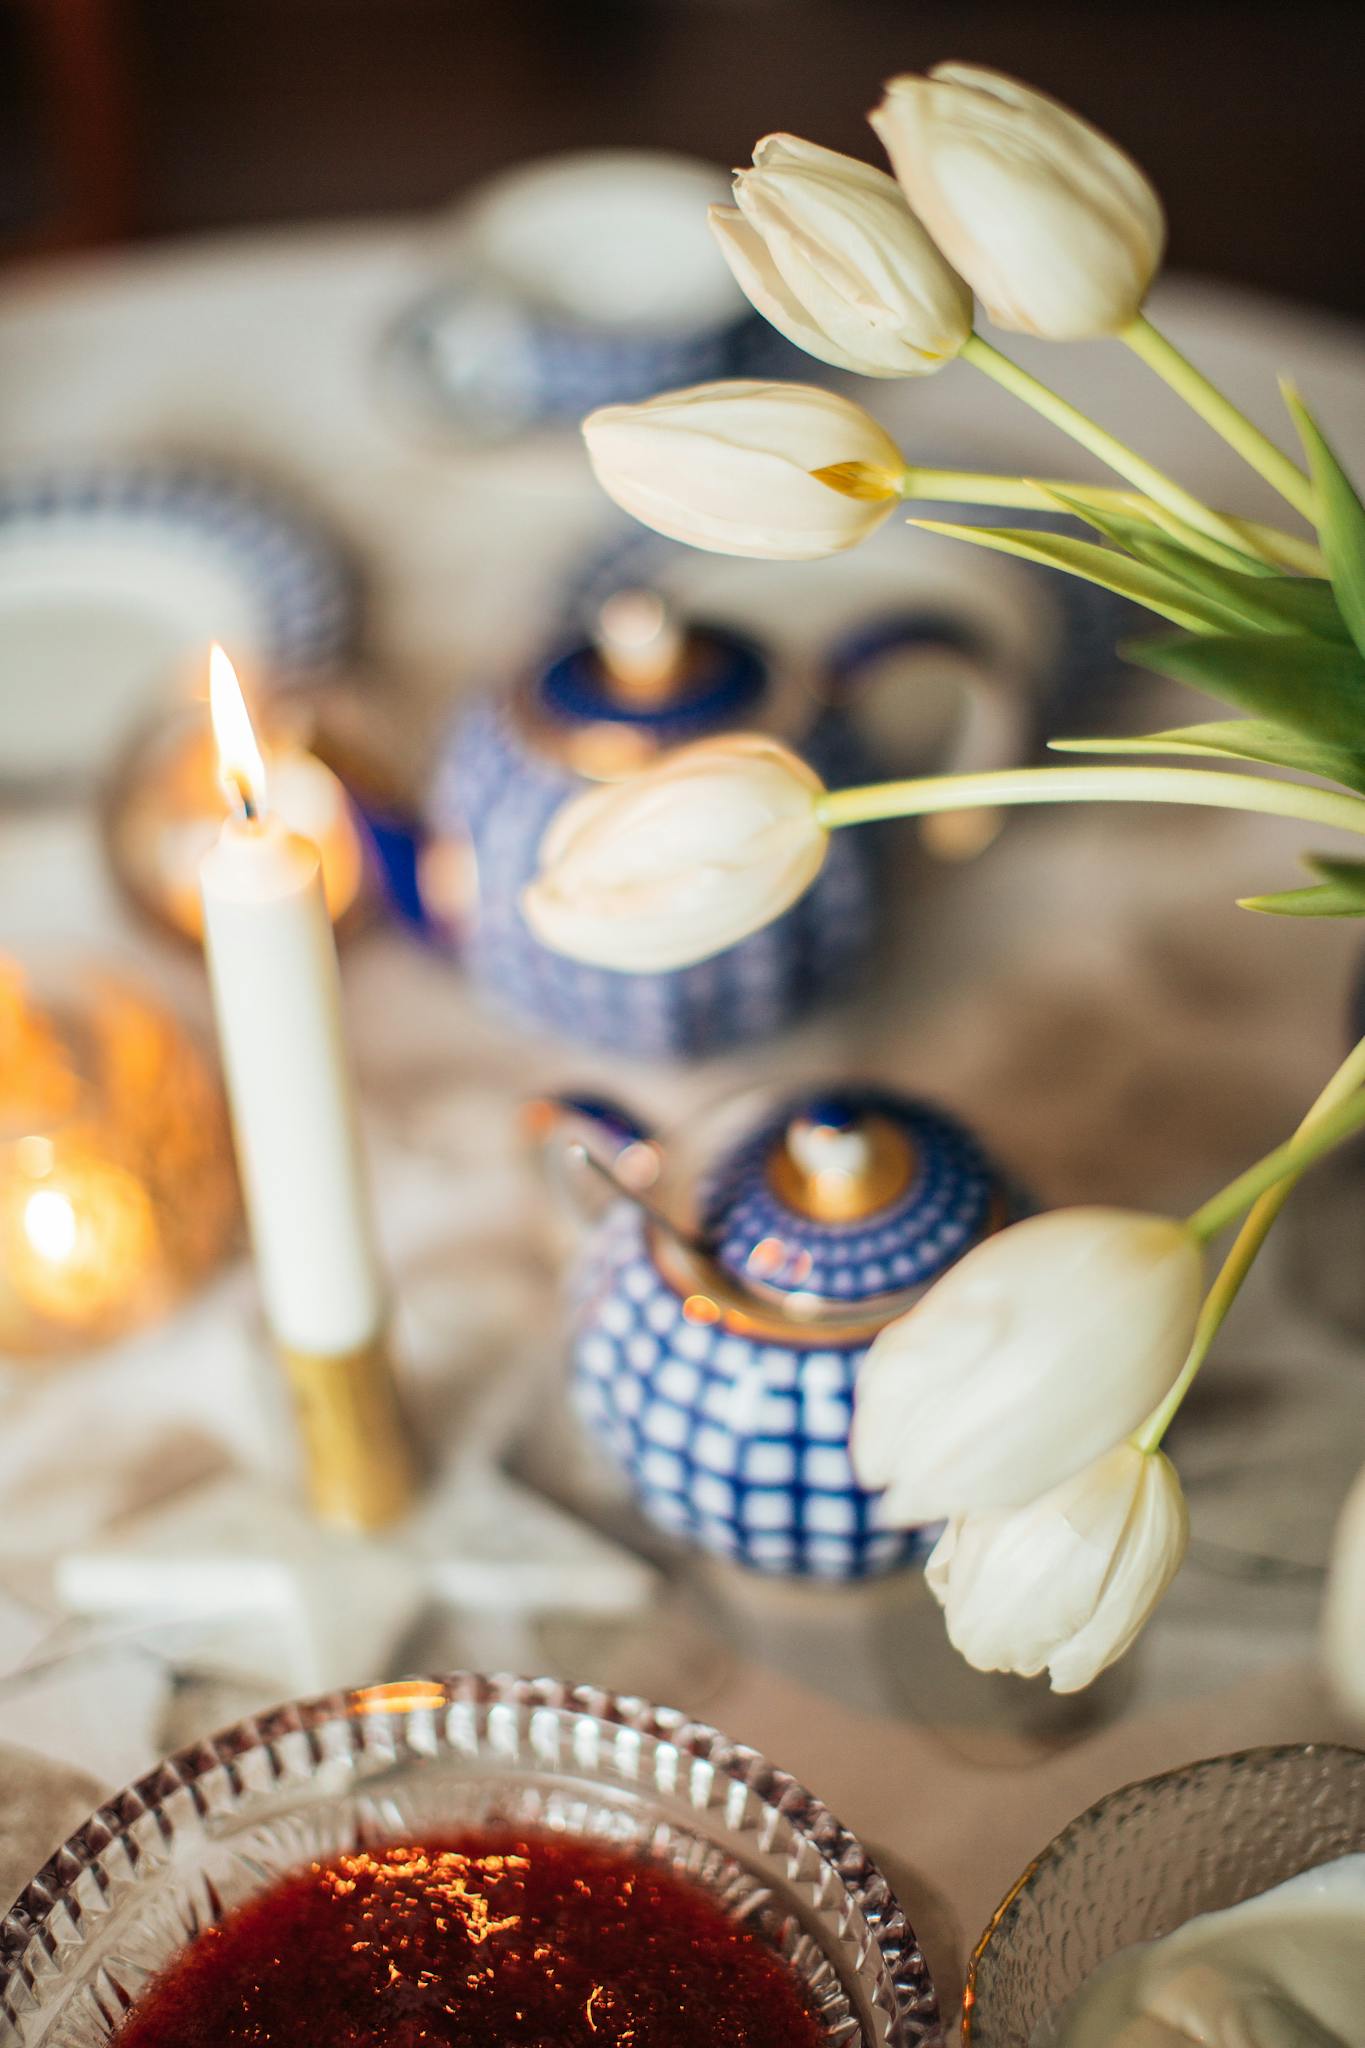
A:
(1340, 893)
(1239, 739)
(1141, 520)
(1155, 590)
(1143, 534)
(1314, 688)
(1188, 536)
(1340, 516)
(1270, 602)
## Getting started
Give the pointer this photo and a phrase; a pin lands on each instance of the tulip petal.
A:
(1067, 1583)
(1054, 227)
(729, 466)
(1030, 1357)
(765, 288)
(1146, 1560)
(1343, 1618)
(681, 861)
(846, 270)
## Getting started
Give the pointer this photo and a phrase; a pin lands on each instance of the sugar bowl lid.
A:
(840, 1199)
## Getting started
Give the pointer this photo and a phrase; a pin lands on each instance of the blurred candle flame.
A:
(240, 765)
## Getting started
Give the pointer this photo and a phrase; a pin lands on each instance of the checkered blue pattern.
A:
(301, 584)
(737, 1445)
(497, 791)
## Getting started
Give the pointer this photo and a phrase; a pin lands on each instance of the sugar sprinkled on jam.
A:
(486, 1941)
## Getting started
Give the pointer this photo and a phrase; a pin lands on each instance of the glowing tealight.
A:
(116, 1185)
(50, 1224)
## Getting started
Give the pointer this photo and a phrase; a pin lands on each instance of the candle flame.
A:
(240, 766)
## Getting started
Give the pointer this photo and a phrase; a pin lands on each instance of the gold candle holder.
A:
(360, 1462)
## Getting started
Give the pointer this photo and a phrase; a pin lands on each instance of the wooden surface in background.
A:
(254, 110)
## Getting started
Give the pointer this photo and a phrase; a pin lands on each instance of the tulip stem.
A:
(1090, 434)
(1220, 413)
(1293, 1157)
(975, 487)
(1348, 1078)
(1219, 790)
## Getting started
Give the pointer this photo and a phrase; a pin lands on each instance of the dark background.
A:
(151, 117)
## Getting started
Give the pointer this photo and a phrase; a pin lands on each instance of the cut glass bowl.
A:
(226, 1818)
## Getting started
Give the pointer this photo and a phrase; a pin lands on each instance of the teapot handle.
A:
(995, 729)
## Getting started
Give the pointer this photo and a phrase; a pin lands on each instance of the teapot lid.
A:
(845, 1197)
(644, 681)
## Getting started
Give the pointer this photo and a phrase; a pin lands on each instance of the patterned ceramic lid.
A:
(848, 1196)
(646, 680)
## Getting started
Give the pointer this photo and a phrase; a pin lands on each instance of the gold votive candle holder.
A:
(118, 1192)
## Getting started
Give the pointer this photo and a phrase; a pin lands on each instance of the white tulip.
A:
(730, 467)
(1069, 1582)
(1056, 230)
(829, 252)
(1344, 1613)
(682, 860)
(1039, 1350)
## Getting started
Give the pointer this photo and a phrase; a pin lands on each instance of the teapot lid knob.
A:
(835, 1163)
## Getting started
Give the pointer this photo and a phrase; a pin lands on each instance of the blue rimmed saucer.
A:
(114, 578)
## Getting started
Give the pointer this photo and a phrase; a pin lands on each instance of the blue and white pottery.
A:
(1044, 646)
(514, 759)
(575, 281)
(114, 578)
(717, 1368)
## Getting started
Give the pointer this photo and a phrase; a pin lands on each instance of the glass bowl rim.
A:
(53, 1890)
(1062, 1841)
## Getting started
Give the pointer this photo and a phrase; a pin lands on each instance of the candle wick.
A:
(240, 797)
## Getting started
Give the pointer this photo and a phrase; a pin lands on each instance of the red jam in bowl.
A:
(487, 1941)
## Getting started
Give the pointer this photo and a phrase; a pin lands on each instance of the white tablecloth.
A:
(1086, 992)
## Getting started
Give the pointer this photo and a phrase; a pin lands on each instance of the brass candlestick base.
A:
(361, 1463)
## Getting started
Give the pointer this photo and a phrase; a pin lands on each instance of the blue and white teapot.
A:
(721, 1309)
(606, 706)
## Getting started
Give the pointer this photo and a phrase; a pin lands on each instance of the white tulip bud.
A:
(1039, 1350)
(1068, 1583)
(829, 252)
(1056, 230)
(1344, 1611)
(731, 467)
(682, 860)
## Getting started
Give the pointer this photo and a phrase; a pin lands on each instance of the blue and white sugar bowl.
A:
(721, 1309)
(597, 710)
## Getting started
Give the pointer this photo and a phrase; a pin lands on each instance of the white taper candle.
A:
(277, 996)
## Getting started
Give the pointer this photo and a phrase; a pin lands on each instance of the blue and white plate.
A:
(115, 577)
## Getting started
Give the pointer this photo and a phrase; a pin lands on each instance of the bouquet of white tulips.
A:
(1025, 1398)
